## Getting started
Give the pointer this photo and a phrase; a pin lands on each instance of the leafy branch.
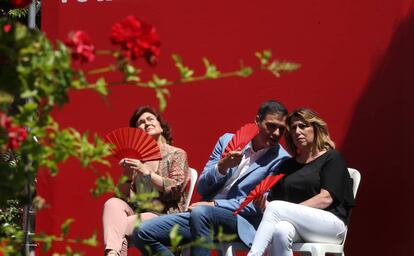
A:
(186, 73)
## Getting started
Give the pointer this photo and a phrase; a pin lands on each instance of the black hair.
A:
(271, 107)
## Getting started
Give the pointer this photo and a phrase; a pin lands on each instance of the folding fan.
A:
(240, 139)
(259, 190)
(133, 143)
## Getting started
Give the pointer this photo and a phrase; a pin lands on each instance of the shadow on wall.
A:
(378, 144)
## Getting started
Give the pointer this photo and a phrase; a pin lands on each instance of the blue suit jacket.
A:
(209, 184)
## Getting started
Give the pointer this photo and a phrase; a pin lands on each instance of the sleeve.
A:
(178, 175)
(250, 210)
(210, 182)
(335, 176)
(277, 191)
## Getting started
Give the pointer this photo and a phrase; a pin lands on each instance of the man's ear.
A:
(257, 120)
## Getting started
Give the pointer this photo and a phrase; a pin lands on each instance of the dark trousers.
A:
(200, 222)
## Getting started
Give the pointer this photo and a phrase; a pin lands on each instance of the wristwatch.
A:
(147, 177)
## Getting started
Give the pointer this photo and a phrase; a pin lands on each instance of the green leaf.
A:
(211, 70)
(277, 67)
(29, 93)
(161, 93)
(5, 97)
(264, 56)
(47, 243)
(185, 72)
(91, 241)
(104, 184)
(177, 58)
(175, 237)
(245, 71)
(101, 87)
(65, 226)
(222, 237)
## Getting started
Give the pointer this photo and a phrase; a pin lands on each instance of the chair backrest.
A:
(356, 177)
(193, 180)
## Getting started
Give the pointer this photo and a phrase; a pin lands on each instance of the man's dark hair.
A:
(271, 107)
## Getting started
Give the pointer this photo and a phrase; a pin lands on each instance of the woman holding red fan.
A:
(169, 176)
(313, 201)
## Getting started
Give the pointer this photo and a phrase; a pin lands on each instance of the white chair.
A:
(315, 249)
(193, 180)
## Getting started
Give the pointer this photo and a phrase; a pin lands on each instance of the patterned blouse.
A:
(173, 168)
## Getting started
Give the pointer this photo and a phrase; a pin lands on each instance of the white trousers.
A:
(285, 223)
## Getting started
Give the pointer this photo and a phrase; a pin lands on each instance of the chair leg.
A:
(226, 250)
(316, 251)
(230, 251)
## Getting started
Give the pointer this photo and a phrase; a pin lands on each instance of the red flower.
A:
(5, 121)
(137, 39)
(7, 28)
(81, 47)
(16, 136)
(20, 3)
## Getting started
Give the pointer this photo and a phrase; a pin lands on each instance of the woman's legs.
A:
(296, 221)
(117, 217)
(131, 222)
(119, 221)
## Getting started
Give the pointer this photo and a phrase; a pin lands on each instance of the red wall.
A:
(357, 72)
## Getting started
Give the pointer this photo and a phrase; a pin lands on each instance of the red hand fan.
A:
(240, 139)
(133, 143)
(259, 190)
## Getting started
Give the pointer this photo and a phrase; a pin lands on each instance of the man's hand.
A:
(232, 159)
(193, 205)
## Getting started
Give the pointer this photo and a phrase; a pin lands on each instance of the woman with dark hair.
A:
(169, 177)
(313, 201)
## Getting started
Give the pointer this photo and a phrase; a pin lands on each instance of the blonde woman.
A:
(313, 202)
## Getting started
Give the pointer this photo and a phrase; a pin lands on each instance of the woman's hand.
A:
(260, 202)
(133, 165)
(126, 169)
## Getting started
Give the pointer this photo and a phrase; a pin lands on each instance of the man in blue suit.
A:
(223, 185)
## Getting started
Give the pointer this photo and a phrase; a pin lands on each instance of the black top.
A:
(303, 181)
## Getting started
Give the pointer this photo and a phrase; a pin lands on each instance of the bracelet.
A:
(147, 177)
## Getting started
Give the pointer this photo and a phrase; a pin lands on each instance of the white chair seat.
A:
(319, 248)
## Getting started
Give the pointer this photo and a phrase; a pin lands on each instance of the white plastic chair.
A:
(193, 180)
(315, 249)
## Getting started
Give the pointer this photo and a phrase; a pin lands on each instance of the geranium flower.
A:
(81, 47)
(7, 28)
(20, 3)
(5, 121)
(137, 39)
(16, 136)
